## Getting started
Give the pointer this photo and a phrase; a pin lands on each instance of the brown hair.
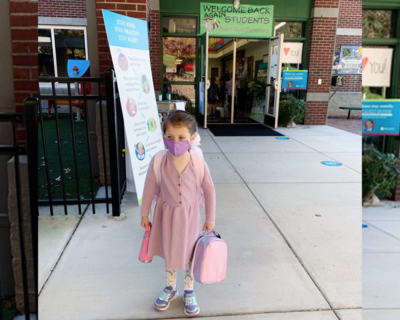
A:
(178, 118)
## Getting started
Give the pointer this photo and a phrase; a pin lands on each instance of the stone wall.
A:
(15, 236)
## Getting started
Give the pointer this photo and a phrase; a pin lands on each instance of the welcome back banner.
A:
(246, 21)
(129, 46)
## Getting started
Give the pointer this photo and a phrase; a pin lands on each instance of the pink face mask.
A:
(177, 148)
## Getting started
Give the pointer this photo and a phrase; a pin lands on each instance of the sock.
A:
(188, 277)
(170, 276)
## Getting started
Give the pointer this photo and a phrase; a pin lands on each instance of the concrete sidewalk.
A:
(381, 260)
(292, 226)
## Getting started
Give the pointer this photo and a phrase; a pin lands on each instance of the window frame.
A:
(51, 28)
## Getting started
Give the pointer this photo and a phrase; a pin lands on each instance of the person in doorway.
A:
(212, 96)
(222, 81)
(228, 87)
(176, 225)
(242, 82)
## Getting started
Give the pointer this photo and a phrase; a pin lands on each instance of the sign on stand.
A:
(129, 47)
(376, 67)
(292, 52)
(381, 117)
(294, 80)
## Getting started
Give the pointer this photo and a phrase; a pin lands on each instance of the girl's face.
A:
(178, 134)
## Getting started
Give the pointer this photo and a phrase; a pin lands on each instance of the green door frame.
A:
(304, 39)
(391, 143)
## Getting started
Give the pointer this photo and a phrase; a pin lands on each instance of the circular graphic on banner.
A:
(151, 125)
(145, 84)
(290, 84)
(131, 107)
(331, 163)
(123, 62)
(140, 151)
(369, 125)
(282, 138)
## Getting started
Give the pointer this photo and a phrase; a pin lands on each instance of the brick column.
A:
(24, 37)
(131, 8)
(155, 56)
(324, 19)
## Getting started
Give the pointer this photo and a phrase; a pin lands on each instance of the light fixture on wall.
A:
(236, 4)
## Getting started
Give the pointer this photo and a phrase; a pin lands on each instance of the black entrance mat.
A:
(236, 130)
(237, 119)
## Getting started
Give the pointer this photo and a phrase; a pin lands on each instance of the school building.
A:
(321, 28)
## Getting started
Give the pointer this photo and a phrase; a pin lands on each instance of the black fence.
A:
(15, 150)
(108, 94)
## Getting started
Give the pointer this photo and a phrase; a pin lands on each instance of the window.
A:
(57, 45)
(377, 24)
(289, 29)
(179, 25)
(179, 59)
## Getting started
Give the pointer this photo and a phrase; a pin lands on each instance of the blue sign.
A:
(381, 117)
(127, 32)
(294, 79)
(331, 163)
(78, 68)
(282, 138)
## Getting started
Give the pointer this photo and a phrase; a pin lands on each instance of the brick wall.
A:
(64, 9)
(154, 42)
(350, 15)
(24, 37)
(131, 8)
(320, 55)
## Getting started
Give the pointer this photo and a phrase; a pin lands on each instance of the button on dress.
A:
(177, 221)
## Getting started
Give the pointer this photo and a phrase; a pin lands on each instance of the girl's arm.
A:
(150, 188)
(209, 195)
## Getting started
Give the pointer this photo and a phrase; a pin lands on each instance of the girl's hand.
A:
(208, 226)
(145, 222)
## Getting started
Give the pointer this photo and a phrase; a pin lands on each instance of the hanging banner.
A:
(129, 47)
(246, 21)
(294, 80)
(381, 117)
(376, 66)
(350, 61)
(292, 52)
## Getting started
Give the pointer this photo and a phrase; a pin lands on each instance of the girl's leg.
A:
(188, 277)
(191, 306)
(170, 293)
(170, 276)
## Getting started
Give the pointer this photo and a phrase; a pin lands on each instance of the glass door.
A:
(203, 83)
(274, 80)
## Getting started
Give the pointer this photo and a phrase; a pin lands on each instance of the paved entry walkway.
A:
(381, 260)
(292, 226)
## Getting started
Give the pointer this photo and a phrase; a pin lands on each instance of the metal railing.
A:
(116, 141)
(28, 119)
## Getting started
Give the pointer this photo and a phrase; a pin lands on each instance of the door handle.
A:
(276, 84)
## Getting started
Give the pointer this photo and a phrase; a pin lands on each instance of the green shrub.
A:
(379, 173)
(292, 109)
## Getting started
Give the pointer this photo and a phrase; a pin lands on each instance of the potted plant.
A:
(379, 175)
(292, 111)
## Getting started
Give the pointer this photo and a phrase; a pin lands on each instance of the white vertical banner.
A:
(129, 47)
(376, 67)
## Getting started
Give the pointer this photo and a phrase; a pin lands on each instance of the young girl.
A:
(176, 225)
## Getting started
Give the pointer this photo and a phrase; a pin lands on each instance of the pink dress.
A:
(177, 222)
